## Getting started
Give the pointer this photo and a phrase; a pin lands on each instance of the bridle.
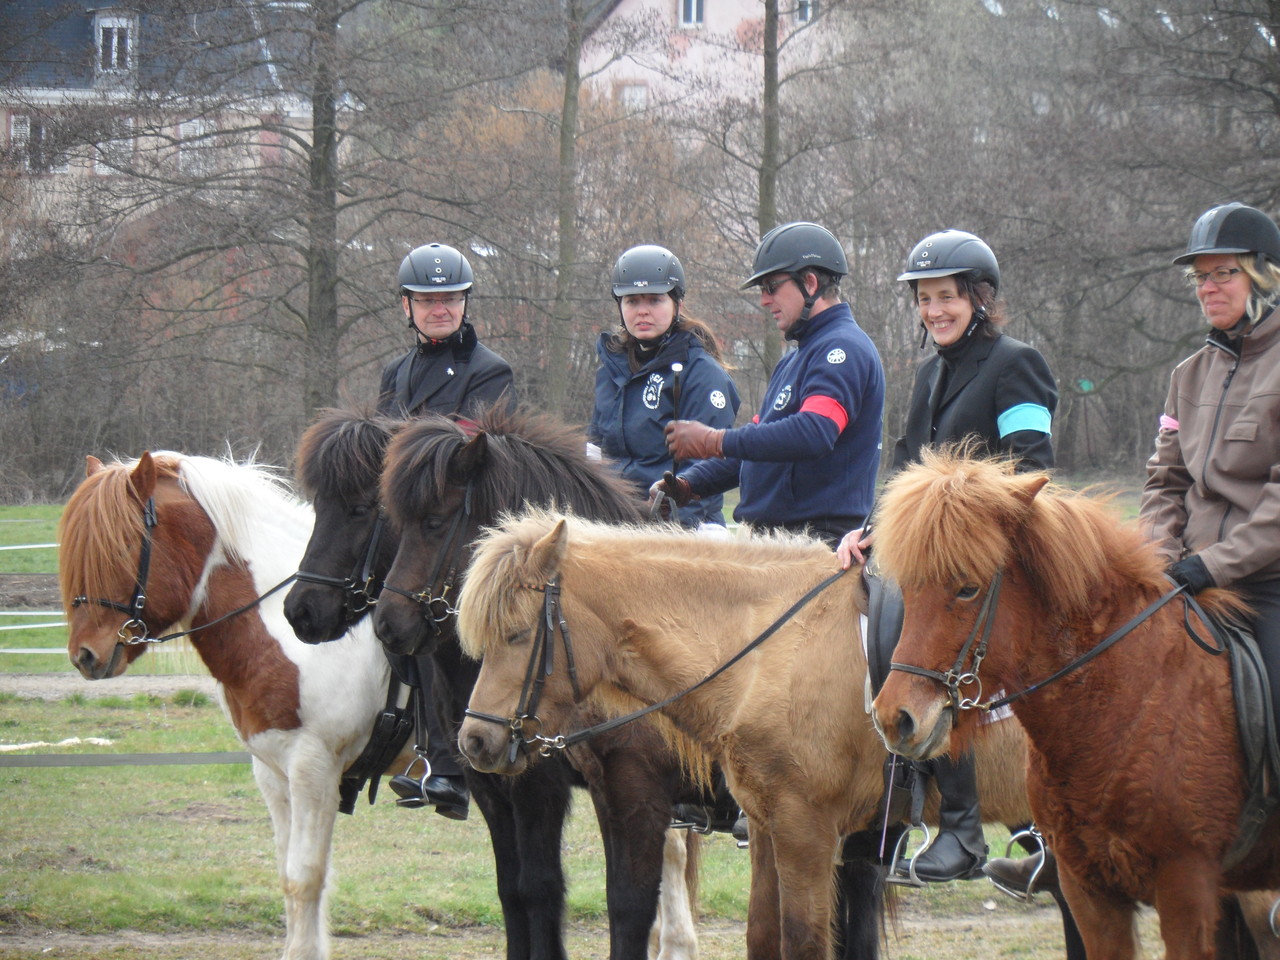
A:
(964, 671)
(361, 587)
(435, 600)
(524, 725)
(134, 631)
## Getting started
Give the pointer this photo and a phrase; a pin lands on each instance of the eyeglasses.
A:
(1219, 276)
(454, 300)
(771, 286)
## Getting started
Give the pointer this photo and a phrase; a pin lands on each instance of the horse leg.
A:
(674, 931)
(313, 808)
(539, 804)
(764, 926)
(1105, 922)
(805, 852)
(275, 791)
(633, 805)
(1186, 897)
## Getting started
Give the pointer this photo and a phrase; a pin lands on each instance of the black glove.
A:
(1191, 573)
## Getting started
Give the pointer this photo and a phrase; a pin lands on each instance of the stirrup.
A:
(411, 791)
(1026, 896)
(908, 878)
(1271, 919)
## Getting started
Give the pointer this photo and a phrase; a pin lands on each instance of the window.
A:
(805, 10)
(115, 36)
(114, 152)
(32, 144)
(633, 96)
(691, 13)
(196, 150)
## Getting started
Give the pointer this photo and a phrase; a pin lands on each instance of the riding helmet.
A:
(949, 252)
(792, 247)
(436, 266)
(648, 268)
(1233, 228)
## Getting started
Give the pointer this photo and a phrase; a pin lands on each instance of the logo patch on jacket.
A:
(653, 390)
(717, 399)
(836, 356)
(783, 398)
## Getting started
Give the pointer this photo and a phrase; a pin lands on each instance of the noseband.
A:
(958, 677)
(435, 599)
(361, 588)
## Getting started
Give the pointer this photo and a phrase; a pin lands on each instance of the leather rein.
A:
(964, 671)
(134, 631)
(525, 726)
(435, 599)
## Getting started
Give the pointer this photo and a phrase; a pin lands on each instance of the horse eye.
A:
(967, 592)
(361, 510)
(518, 637)
(432, 523)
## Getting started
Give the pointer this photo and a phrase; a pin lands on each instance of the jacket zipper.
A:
(1213, 434)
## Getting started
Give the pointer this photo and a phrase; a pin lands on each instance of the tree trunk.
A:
(322, 219)
(767, 209)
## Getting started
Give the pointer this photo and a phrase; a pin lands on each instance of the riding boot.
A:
(1019, 877)
(960, 849)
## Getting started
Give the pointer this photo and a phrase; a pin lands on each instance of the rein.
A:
(361, 588)
(531, 691)
(437, 609)
(957, 677)
(134, 631)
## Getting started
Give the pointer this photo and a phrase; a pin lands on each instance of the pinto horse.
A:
(651, 614)
(513, 456)
(1136, 773)
(215, 537)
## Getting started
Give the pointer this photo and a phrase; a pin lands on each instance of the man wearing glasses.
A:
(449, 371)
(808, 460)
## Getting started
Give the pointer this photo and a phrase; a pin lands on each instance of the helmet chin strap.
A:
(802, 321)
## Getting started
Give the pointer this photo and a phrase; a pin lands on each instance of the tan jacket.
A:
(1213, 484)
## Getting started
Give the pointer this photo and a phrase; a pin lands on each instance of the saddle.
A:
(1255, 716)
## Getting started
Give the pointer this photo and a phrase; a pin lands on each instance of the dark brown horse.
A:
(339, 465)
(1136, 773)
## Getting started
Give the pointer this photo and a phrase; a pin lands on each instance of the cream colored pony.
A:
(650, 614)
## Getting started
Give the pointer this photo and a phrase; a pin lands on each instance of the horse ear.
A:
(1027, 487)
(466, 463)
(545, 557)
(143, 477)
(92, 465)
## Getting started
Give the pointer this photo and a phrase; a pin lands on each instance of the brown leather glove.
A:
(691, 440)
(676, 489)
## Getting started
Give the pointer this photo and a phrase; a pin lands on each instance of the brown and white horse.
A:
(216, 536)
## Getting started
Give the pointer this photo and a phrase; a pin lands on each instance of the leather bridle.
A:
(360, 589)
(435, 600)
(964, 671)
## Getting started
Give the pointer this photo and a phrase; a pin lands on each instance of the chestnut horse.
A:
(1136, 772)
(218, 536)
(650, 614)
(339, 466)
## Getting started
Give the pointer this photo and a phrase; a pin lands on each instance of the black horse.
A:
(632, 777)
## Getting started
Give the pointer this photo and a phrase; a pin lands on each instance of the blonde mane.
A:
(957, 520)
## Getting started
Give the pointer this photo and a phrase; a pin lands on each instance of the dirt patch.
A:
(59, 686)
(29, 591)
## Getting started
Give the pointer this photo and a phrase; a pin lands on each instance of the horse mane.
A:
(341, 453)
(958, 520)
(498, 590)
(530, 458)
(101, 528)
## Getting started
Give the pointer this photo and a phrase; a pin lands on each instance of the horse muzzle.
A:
(488, 748)
(916, 732)
(93, 667)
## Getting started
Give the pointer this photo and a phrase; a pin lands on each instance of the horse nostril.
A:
(85, 660)
(906, 725)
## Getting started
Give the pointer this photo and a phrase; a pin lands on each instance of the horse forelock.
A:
(100, 532)
(951, 519)
(416, 468)
(341, 454)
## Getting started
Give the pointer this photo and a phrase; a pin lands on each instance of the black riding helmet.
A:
(435, 266)
(648, 268)
(792, 247)
(951, 252)
(1233, 228)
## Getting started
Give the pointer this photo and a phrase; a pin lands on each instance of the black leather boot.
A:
(1025, 876)
(960, 849)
